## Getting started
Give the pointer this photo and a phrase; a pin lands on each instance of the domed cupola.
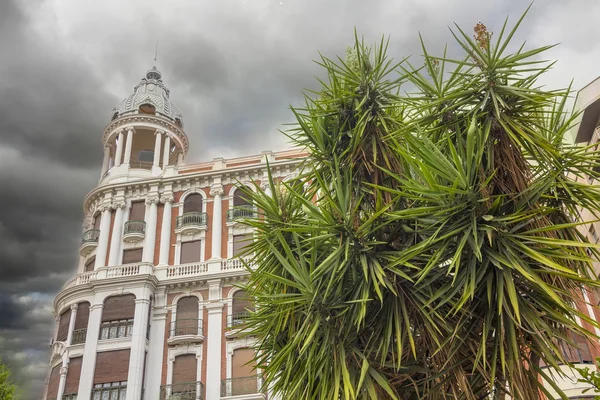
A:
(150, 96)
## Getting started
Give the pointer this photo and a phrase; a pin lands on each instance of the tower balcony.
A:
(134, 231)
(182, 391)
(89, 241)
(187, 330)
(240, 212)
(191, 223)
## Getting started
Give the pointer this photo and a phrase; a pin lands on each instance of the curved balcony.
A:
(182, 391)
(239, 212)
(134, 231)
(191, 223)
(89, 241)
(187, 330)
(250, 387)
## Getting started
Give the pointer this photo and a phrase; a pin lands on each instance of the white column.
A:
(127, 158)
(214, 338)
(105, 161)
(62, 381)
(180, 159)
(157, 142)
(119, 149)
(155, 354)
(165, 230)
(71, 325)
(138, 345)
(166, 151)
(117, 233)
(149, 242)
(89, 353)
(217, 223)
(103, 238)
(266, 187)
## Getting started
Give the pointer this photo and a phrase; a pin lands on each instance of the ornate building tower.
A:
(153, 311)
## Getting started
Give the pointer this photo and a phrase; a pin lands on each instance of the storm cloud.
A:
(233, 67)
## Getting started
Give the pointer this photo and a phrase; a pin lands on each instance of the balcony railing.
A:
(246, 211)
(116, 329)
(79, 336)
(137, 164)
(182, 391)
(112, 390)
(134, 227)
(90, 236)
(238, 320)
(187, 326)
(241, 386)
(191, 218)
(70, 396)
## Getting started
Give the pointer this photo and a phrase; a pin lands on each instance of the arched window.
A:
(81, 323)
(240, 199)
(193, 203)
(187, 321)
(117, 316)
(243, 372)
(63, 326)
(241, 307)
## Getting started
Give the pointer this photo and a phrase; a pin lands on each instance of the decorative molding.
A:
(74, 307)
(167, 198)
(216, 190)
(64, 370)
(152, 200)
(159, 132)
(118, 204)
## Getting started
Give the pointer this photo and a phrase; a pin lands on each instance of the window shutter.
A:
(118, 307)
(63, 326)
(239, 199)
(131, 256)
(187, 308)
(190, 252)
(137, 211)
(242, 364)
(53, 383)
(185, 369)
(239, 242)
(89, 264)
(241, 303)
(193, 202)
(83, 314)
(73, 375)
(111, 366)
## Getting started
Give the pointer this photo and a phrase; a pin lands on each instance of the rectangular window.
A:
(89, 264)
(72, 381)
(110, 391)
(63, 326)
(190, 252)
(239, 242)
(111, 367)
(137, 211)
(116, 329)
(131, 256)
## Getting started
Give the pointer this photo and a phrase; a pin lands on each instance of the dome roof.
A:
(150, 96)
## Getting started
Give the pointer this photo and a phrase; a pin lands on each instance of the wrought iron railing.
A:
(182, 391)
(240, 386)
(191, 218)
(112, 390)
(140, 164)
(237, 212)
(69, 396)
(116, 329)
(79, 336)
(238, 320)
(90, 236)
(134, 227)
(186, 326)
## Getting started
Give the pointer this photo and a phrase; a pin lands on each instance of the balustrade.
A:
(191, 218)
(239, 212)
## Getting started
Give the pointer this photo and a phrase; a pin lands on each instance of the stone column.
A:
(217, 224)
(130, 132)
(105, 161)
(103, 238)
(165, 231)
(214, 337)
(166, 151)
(119, 149)
(117, 233)
(149, 242)
(88, 364)
(155, 353)
(71, 325)
(62, 381)
(138, 345)
(180, 158)
(266, 187)
(157, 142)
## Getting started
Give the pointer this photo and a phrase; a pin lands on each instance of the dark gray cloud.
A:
(233, 67)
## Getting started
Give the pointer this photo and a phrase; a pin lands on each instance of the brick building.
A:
(154, 311)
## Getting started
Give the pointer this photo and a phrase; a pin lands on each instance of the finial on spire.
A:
(156, 52)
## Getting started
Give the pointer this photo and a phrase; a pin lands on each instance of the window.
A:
(137, 211)
(187, 321)
(239, 199)
(240, 308)
(53, 382)
(89, 264)
(192, 203)
(239, 242)
(72, 381)
(112, 391)
(190, 252)
(117, 317)
(97, 219)
(116, 329)
(131, 256)
(243, 372)
(63, 326)
(146, 155)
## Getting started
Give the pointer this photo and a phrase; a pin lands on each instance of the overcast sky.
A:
(233, 67)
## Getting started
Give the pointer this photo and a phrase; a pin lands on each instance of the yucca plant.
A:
(430, 247)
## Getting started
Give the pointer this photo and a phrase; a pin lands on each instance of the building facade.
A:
(155, 310)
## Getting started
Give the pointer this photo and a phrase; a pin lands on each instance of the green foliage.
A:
(8, 390)
(592, 378)
(428, 250)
